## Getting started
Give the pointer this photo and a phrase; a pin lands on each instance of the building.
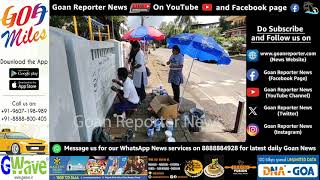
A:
(205, 25)
(238, 26)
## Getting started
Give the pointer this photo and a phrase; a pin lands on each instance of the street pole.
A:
(90, 28)
(142, 20)
(112, 27)
(75, 25)
(238, 117)
(181, 98)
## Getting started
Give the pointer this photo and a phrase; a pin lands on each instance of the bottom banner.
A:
(98, 167)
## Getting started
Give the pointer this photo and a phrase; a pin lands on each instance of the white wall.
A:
(63, 126)
(92, 65)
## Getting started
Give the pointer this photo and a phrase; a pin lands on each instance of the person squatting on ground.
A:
(140, 78)
(175, 74)
(128, 97)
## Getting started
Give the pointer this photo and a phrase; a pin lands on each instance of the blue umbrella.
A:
(200, 47)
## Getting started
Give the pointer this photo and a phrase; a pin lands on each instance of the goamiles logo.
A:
(23, 34)
(21, 165)
(288, 170)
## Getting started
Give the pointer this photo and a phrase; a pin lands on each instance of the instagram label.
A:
(253, 129)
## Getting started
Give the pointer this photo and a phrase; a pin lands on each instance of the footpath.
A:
(213, 130)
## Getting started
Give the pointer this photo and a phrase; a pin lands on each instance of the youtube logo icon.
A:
(253, 92)
(206, 7)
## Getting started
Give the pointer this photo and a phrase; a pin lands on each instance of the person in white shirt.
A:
(128, 97)
(140, 79)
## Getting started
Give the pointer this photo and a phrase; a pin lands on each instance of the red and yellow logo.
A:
(20, 25)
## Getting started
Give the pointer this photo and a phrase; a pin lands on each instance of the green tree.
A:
(169, 29)
(66, 22)
(185, 21)
(225, 25)
(114, 23)
(163, 26)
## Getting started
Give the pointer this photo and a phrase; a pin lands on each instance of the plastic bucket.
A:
(158, 125)
(170, 125)
(171, 139)
(168, 134)
(150, 132)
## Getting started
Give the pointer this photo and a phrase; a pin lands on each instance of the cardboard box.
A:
(165, 107)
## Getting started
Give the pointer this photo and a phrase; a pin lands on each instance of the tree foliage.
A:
(185, 22)
(224, 24)
(66, 22)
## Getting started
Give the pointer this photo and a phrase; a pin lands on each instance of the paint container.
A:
(168, 134)
(154, 91)
(170, 125)
(171, 139)
(150, 132)
(158, 125)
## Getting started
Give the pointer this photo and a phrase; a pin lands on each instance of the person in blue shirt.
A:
(175, 74)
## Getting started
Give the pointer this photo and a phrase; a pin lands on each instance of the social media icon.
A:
(253, 92)
(252, 55)
(206, 7)
(253, 110)
(294, 8)
(252, 75)
(253, 129)
(56, 148)
(310, 9)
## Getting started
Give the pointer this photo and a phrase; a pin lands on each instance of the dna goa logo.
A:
(288, 170)
(25, 19)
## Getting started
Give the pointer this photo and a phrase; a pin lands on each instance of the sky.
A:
(134, 21)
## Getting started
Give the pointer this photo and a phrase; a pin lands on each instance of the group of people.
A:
(133, 81)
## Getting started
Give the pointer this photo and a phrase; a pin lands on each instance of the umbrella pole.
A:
(181, 98)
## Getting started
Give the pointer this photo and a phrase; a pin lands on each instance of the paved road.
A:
(218, 88)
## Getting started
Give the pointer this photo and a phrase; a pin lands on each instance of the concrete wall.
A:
(62, 111)
(92, 65)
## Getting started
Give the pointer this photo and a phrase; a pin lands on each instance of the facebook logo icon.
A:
(294, 8)
(252, 74)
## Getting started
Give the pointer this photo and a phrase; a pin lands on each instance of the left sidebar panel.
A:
(24, 89)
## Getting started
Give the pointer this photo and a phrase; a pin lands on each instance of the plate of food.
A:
(214, 170)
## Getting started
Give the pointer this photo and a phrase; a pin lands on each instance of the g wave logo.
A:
(19, 165)
(5, 165)
(25, 19)
(304, 171)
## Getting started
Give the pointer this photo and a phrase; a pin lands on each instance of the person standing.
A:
(140, 79)
(175, 74)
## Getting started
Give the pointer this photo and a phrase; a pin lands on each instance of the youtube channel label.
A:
(207, 7)
(253, 92)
